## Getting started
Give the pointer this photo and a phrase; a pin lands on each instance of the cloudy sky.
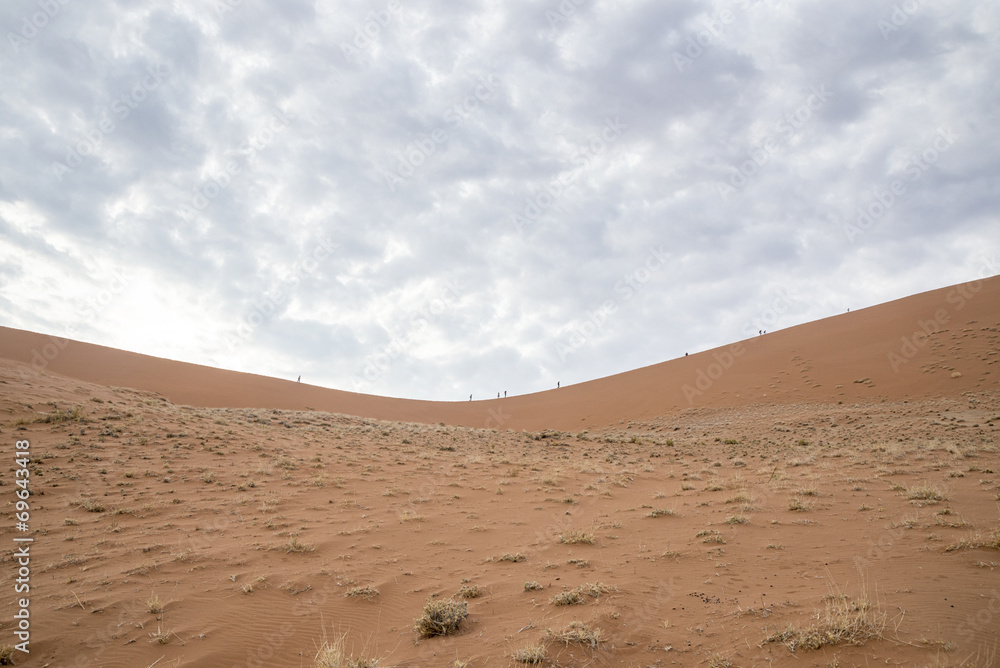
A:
(430, 198)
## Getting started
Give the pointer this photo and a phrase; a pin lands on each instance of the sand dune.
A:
(808, 505)
(893, 351)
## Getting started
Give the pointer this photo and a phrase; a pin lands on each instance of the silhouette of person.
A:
(685, 354)
(505, 394)
(299, 380)
(470, 397)
(558, 384)
(498, 395)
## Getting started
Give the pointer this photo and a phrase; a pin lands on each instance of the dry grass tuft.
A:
(507, 556)
(532, 654)
(367, 592)
(576, 538)
(925, 493)
(571, 597)
(154, 604)
(847, 621)
(470, 591)
(532, 586)
(799, 506)
(660, 512)
(577, 633)
(6, 655)
(334, 655)
(441, 618)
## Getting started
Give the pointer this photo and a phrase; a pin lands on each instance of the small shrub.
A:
(364, 592)
(925, 493)
(660, 512)
(571, 597)
(577, 633)
(470, 591)
(737, 519)
(797, 505)
(576, 538)
(532, 586)
(532, 654)
(507, 556)
(441, 618)
(92, 506)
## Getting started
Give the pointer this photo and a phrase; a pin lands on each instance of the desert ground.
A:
(825, 495)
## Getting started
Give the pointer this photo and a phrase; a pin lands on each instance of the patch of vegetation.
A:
(367, 592)
(334, 655)
(507, 556)
(850, 622)
(799, 506)
(660, 512)
(531, 655)
(577, 537)
(532, 586)
(577, 633)
(925, 493)
(441, 618)
(470, 591)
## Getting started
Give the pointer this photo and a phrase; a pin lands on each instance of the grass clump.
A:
(154, 604)
(441, 618)
(577, 595)
(294, 545)
(660, 512)
(847, 621)
(710, 536)
(532, 586)
(92, 506)
(334, 655)
(576, 538)
(507, 556)
(927, 493)
(571, 597)
(6, 655)
(367, 592)
(797, 505)
(470, 591)
(531, 655)
(577, 633)
(737, 519)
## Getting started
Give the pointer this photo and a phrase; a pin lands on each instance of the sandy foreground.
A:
(811, 501)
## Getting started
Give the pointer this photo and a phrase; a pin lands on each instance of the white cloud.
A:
(263, 141)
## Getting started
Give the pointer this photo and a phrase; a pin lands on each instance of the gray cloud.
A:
(433, 199)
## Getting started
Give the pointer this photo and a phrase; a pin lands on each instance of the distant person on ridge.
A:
(299, 380)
